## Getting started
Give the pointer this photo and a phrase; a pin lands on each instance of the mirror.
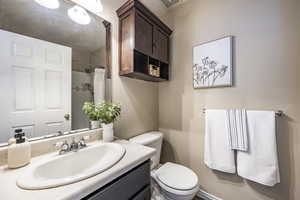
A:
(55, 55)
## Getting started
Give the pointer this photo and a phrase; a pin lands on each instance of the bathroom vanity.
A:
(127, 179)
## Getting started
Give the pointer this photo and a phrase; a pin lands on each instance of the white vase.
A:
(95, 124)
(108, 132)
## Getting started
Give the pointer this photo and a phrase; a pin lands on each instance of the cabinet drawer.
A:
(126, 186)
(144, 195)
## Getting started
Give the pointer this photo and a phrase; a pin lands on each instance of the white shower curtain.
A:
(99, 85)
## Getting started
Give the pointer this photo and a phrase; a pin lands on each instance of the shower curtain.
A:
(99, 85)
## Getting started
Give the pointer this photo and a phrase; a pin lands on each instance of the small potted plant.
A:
(91, 110)
(108, 113)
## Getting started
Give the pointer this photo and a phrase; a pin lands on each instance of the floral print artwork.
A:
(208, 72)
(212, 64)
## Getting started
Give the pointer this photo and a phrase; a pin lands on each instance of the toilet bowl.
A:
(176, 182)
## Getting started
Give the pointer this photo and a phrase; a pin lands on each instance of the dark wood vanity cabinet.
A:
(143, 41)
(133, 185)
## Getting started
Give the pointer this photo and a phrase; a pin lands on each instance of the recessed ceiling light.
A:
(51, 4)
(79, 15)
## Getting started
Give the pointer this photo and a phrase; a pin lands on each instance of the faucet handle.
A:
(82, 142)
(58, 145)
(65, 146)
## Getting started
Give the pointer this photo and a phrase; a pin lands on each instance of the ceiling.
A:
(173, 3)
(170, 3)
(29, 18)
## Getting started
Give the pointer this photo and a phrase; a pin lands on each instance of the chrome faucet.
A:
(74, 146)
(65, 147)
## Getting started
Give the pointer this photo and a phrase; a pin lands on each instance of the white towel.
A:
(99, 85)
(217, 155)
(237, 130)
(260, 163)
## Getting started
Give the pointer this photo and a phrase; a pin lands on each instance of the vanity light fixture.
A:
(79, 15)
(51, 4)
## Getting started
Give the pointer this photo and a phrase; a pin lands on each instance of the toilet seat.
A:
(178, 192)
(176, 179)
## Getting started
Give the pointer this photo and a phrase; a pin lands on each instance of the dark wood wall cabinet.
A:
(143, 43)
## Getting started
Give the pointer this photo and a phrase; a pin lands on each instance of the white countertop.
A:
(135, 155)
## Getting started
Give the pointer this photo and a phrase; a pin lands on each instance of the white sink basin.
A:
(72, 167)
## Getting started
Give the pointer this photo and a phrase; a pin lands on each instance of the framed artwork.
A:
(212, 64)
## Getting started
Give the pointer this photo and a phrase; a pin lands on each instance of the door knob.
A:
(67, 116)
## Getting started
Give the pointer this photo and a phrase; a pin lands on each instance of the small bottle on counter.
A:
(19, 150)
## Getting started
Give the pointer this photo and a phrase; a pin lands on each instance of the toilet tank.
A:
(153, 140)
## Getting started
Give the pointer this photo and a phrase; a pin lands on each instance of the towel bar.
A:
(278, 113)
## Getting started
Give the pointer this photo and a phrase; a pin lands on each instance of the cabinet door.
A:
(144, 195)
(133, 185)
(161, 45)
(126, 33)
(143, 34)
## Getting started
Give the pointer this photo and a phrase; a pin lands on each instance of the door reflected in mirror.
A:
(51, 64)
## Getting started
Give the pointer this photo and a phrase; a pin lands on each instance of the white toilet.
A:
(176, 182)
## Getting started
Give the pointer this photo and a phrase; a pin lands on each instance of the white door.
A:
(35, 86)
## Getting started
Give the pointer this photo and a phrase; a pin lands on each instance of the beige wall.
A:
(267, 69)
(98, 57)
(80, 60)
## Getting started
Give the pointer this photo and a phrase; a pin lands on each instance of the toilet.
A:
(176, 182)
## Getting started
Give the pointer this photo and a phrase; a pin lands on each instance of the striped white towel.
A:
(237, 130)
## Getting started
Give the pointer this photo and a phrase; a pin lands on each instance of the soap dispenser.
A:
(19, 150)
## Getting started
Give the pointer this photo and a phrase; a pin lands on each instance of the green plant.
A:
(91, 110)
(108, 112)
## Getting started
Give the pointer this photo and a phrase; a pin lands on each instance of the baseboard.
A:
(206, 196)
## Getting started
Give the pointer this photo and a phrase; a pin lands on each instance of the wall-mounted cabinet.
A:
(143, 43)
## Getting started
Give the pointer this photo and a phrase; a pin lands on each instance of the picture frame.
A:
(212, 63)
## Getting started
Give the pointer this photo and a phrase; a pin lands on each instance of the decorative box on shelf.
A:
(154, 70)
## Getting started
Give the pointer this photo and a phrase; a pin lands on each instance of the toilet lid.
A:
(177, 176)
(147, 138)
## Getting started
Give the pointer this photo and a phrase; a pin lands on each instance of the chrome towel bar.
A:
(278, 113)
